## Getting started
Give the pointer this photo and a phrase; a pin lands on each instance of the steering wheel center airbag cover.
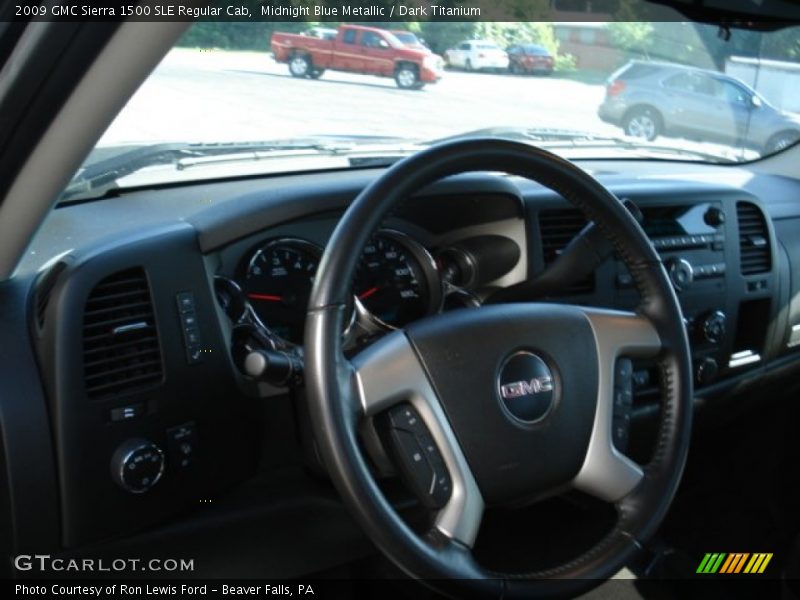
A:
(526, 387)
(467, 354)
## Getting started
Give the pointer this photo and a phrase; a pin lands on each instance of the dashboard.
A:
(142, 330)
(405, 273)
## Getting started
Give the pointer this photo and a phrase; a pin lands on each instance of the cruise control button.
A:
(624, 371)
(406, 418)
(620, 434)
(623, 401)
(413, 462)
(417, 456)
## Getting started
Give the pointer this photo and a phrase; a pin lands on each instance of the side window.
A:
(692, 82)
(733, 93)
(371, 40)
(464, 46)
(349, 36)
(707, 86)
(682, 82)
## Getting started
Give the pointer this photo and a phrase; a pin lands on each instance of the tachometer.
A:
(277, 283)
(397, 281)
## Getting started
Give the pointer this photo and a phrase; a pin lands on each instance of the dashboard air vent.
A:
(558, 227)
(754, 249)
(120, 339)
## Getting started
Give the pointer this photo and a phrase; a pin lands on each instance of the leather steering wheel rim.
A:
(336, 402)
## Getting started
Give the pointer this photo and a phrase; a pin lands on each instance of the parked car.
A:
(409, 39)
(357, 49)
(524, 59)
(477, 55)
(648, 99)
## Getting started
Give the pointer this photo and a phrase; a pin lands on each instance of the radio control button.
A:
(680, 272)
(714, 217)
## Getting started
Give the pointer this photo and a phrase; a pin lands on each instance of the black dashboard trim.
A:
(227, 222)
(28, 455)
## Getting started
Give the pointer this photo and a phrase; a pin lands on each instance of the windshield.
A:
(264, 97)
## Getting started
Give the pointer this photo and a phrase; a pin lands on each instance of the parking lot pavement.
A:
(199, 95)
(218, 96)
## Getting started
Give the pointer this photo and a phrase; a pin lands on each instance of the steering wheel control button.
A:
(137, 465)
(418, 458)
(182, 445)
(623, 403)
(526, 387)
(191, 331)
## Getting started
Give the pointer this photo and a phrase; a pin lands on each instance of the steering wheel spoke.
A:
(607, 473)
(389, 373)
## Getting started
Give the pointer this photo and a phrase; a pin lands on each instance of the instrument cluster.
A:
(397, 281)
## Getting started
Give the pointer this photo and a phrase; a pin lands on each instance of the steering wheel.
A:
(516, 400)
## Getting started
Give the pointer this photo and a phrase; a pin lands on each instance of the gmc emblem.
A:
(536, 385)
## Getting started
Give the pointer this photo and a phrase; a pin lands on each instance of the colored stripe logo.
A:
(734, 563)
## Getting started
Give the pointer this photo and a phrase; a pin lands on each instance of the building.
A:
(589, 43)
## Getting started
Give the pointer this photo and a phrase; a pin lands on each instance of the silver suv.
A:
(648, 99)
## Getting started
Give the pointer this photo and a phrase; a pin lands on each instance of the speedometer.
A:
(277, 284)
(397, 281)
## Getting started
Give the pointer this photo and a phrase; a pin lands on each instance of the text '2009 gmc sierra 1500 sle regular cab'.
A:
(357, 49)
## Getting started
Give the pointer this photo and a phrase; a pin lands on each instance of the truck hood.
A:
(412, 53)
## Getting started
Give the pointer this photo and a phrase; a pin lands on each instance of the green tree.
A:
(441, 35)
(633, 38)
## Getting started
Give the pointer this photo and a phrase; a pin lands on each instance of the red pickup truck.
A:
(358, 49)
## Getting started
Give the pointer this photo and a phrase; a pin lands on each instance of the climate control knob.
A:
(137, 465)
(680, 273)
(706, 371)
(713, 326)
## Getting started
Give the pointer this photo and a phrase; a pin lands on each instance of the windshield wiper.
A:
(554, 138)
(529, 134)
(100, 176)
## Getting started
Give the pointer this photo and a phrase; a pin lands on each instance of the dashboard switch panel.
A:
(191, 331)
(182, 445)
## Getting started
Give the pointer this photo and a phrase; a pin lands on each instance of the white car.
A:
(477, 55)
